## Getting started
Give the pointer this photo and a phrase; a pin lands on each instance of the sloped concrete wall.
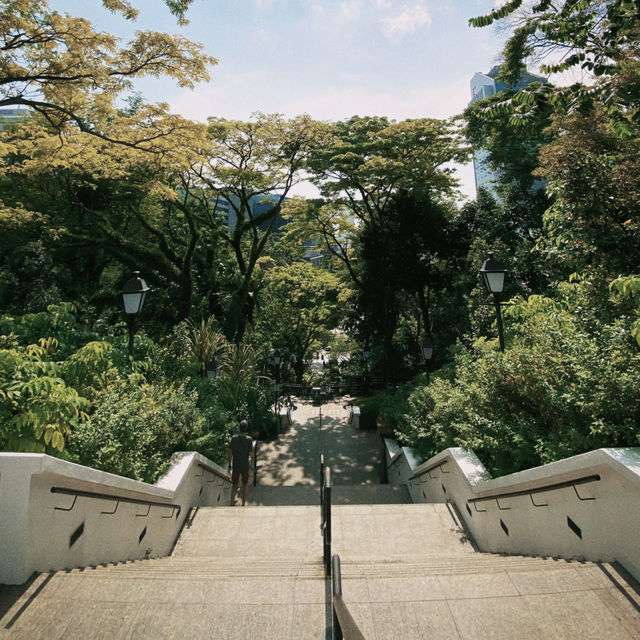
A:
(42, 531)
(598, 520)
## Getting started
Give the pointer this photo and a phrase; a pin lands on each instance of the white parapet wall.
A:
(586, 506)
(58, 515)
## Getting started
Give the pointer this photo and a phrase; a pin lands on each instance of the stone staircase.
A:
(253, 572)
(408, 571)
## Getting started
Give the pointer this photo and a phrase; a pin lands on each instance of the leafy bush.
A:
(565, 385)
(37, 409)
(133, 432)
(219, 423)
(59, 321)
(386, 409)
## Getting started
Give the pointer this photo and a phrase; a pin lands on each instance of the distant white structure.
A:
(7, 116)
(484, 85)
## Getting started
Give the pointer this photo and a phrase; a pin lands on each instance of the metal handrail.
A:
(326, 520)
(77, 493)
(530, 492)
(344, 626)
(420, 473)
(255, 463)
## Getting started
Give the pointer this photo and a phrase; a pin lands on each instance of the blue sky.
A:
(329, 58)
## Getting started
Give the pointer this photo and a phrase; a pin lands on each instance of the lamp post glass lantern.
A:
(426, 347)
(133, 294)
(213, 369)
(493, 273)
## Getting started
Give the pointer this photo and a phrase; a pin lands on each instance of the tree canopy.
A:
(62, 68)
(96, 182)
(598, 37)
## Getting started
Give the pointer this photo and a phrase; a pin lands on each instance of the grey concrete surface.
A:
(413, 580)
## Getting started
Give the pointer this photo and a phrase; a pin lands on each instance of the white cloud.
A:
(408, 20)
(350, 9)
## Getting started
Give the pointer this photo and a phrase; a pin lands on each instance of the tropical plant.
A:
(629, 287)
(205, 343)
(597, 37)
(242, 391)
(134, 430)
(38, 411)
(568, 383)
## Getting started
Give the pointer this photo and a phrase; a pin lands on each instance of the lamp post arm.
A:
(131, 322)
(496, 299)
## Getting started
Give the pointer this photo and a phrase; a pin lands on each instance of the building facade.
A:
(484, 85)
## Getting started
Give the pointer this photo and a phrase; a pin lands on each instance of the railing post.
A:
(255, 463)
(336, 592)
(322, 486)
(326, 529)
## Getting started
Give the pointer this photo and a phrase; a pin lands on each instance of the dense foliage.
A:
(135, 429)
(384, 256)
(568, 380)
(568, 383)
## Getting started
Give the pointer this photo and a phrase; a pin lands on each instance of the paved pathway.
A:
(354, 455)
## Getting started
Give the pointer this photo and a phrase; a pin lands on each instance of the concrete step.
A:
(187, 567)
(389, 532)
(206, 568)
(568, 601)
(340, 495)
(452, 564)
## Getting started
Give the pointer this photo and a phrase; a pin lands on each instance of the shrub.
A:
(566, 384)
(133, 433)
(37, 409)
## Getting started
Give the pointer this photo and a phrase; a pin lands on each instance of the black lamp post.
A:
(277, 359)
(213, 369)
(366, 354)
(133, 294)
(493, 273)
(426, 349)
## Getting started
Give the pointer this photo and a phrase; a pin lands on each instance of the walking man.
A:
(240, 451)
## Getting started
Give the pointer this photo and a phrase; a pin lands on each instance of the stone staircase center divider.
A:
(583, 507)
(58, 515)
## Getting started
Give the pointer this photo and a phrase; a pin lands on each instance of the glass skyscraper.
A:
(484, 85)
